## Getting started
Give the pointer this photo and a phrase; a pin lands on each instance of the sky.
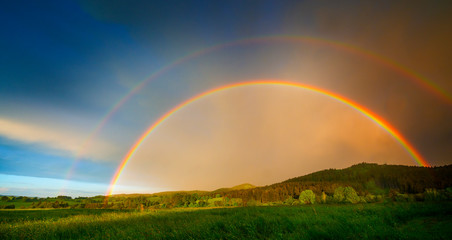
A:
(81, 81)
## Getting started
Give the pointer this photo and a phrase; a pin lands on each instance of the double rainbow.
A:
(366, 112)
(416, 78)
(423, 82)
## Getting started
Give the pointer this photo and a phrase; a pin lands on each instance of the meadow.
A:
(411, 220)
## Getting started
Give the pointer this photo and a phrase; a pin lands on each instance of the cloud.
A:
(61, 141)
(48, 187)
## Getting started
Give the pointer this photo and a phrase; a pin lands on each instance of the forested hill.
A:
(364, 178)
(361, 183)
(409, 179)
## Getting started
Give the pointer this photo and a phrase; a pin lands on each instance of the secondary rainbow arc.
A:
(395, 66)
(374, 117)
(423, 82)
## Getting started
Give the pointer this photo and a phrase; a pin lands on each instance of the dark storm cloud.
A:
(171, 27)
(52, 50)
(416, 34)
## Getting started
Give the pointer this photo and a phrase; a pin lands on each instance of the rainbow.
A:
(374, 117)
(366, 54)
(369, 55)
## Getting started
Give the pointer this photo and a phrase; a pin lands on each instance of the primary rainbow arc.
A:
(374, 117)
(423, 82)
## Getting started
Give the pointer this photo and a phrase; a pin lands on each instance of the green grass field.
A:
(366, 221)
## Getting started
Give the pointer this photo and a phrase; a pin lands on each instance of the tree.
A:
(323, 197)
(347, 194)
(350, 195)
(202, 203)
(307, 197)
(339, 194)
(12, 206)
(289, 201)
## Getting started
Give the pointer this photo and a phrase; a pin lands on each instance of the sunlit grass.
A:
(390, 221)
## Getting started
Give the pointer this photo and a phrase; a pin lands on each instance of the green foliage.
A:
(372, 187)
(401, 197)
(289, 201)
(369, 198)
(378, 179)
(346, 195)
(307, 197)
(323, 198)
(64, 197)
(253, 203)
(339, 195)
(432, 194)
(350, 195)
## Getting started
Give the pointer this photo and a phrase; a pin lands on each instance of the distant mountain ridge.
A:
(243, 186)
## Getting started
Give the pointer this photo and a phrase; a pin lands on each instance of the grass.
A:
(374, 221)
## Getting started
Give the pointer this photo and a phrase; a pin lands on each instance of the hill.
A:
(159, 194)
(238, 187)
(407, 179)
(243, 186)
(365, 178)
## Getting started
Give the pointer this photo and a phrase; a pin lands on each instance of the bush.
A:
(289, 201)
(347, 194)
(432, 194)
(404, 198)
(253, 203)
(323, 197)
(307, 197)
(370, 198)
(339, 195)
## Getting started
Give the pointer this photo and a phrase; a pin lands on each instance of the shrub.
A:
(347, 194)
(339, 195)
(370, 198)
(404, 198)
(289, 200)
(323, 197)
(253, 203)
(432, 194)
(307, 197)
(350, 195)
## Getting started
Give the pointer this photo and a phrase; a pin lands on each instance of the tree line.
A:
(361, 183)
